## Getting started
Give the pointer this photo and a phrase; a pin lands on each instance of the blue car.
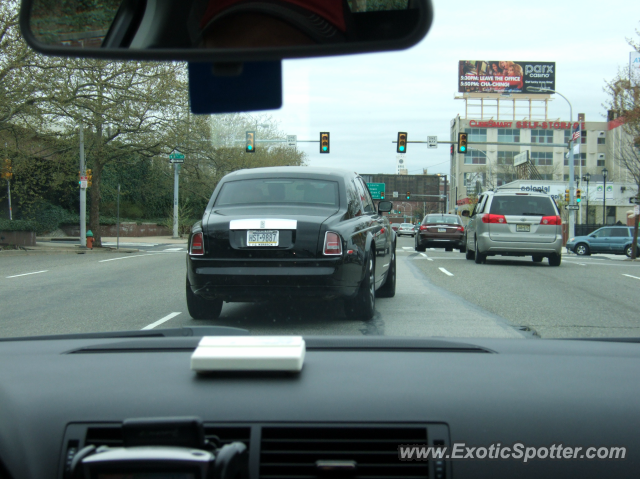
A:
(609, 239)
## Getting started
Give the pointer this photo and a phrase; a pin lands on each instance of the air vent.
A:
(294, 452)
(112, 435)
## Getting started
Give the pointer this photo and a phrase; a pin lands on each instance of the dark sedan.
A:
(291, 232)
(441, 231)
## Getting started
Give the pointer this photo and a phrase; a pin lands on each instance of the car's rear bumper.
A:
(520, 248)
(261, 280)
(439, 241)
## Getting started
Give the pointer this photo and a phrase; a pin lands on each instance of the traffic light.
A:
(89, 178)
(578, 195)
(462, 143)
(7, 172)
(79, 177)
(452, 150)
(382, 195)
(402, 142)
(251, 142)
(408, 195)
(566, 196)
(324, 142)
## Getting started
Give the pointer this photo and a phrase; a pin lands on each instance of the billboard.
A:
(480, 76)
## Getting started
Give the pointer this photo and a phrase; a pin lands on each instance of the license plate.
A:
(442, 230)
(263, 237)
(523, 228)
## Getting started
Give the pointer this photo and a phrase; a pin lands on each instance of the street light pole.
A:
(605, 173)
(572, 214)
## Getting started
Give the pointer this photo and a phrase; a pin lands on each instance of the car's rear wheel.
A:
(448, 249)
(388, 289)
(363, 305)
(555, 260)
(582, 249)
(419, 246)
(628, 251)
(463, 247)
(479, 257)
(537, 259)
(200, 308)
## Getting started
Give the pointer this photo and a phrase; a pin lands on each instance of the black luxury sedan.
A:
(291, 232)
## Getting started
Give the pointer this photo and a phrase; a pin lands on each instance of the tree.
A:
(125, 109)
(624, 102)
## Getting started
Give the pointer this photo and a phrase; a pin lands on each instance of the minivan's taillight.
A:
(332, 244)
(197, 246)
(551, 220)
(491, 218)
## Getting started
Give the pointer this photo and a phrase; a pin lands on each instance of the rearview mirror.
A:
(222, 30)
(465, 213)
(385, 206)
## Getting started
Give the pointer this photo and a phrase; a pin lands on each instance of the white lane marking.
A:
(27, 274)
(407, 248)
(173, 249)
(127, 257)
(432, 249)
(161, 320)
(445, 272)
(428, 259)
(582, 264)
(635, 277)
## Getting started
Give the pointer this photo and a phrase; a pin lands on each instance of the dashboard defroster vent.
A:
(357, 452)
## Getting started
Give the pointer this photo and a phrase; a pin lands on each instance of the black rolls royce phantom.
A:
(291, 232)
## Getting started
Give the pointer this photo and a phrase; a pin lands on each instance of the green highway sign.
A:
(377, 190)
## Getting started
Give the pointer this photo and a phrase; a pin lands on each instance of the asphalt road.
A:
(438, 294)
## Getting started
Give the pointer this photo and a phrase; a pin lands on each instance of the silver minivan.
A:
(514, 223)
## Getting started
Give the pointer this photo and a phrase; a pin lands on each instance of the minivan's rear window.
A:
(523, 205)
(280, 191)
(442, 220)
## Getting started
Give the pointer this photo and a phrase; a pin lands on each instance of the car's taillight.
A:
(491, 218)
(551, 220)
(197, 246)
(461, 229)
(332, 244)
(423, 227)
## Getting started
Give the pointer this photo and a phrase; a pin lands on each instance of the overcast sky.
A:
(364, 100)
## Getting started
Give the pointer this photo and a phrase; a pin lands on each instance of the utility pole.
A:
(444, 202)
(8, 184)
(83, 193)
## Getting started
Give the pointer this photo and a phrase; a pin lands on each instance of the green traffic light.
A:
(402, 148)
(250, 147)
(324, 148)
(577, 200)
(463, 148)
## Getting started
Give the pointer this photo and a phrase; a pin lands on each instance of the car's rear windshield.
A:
(523, 205)
(279, 190)
(406, 224)
(442, 220)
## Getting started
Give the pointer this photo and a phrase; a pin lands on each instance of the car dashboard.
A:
(357, 399)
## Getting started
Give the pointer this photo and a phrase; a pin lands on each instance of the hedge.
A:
(17, 225)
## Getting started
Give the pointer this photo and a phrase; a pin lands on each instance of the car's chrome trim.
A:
(263, 224)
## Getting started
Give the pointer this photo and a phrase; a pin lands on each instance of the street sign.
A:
(83, 182)
(176, 160)
(634, 199)
(376, 189)
(636, 210)
(292, 140)
(572, 207)
(433, 141)
(395, 194)
(176, 156)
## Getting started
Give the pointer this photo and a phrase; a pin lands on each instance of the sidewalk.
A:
(68, 247)
(145, 239)
(618, 257)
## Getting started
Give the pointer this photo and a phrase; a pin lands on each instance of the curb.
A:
(30, 252)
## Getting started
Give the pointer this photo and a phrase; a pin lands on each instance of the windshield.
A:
(120, 209)
(274, 190)
(441, 219)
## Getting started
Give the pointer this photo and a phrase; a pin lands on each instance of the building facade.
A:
(525, 121)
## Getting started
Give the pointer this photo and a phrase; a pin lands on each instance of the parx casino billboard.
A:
(480, 76)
